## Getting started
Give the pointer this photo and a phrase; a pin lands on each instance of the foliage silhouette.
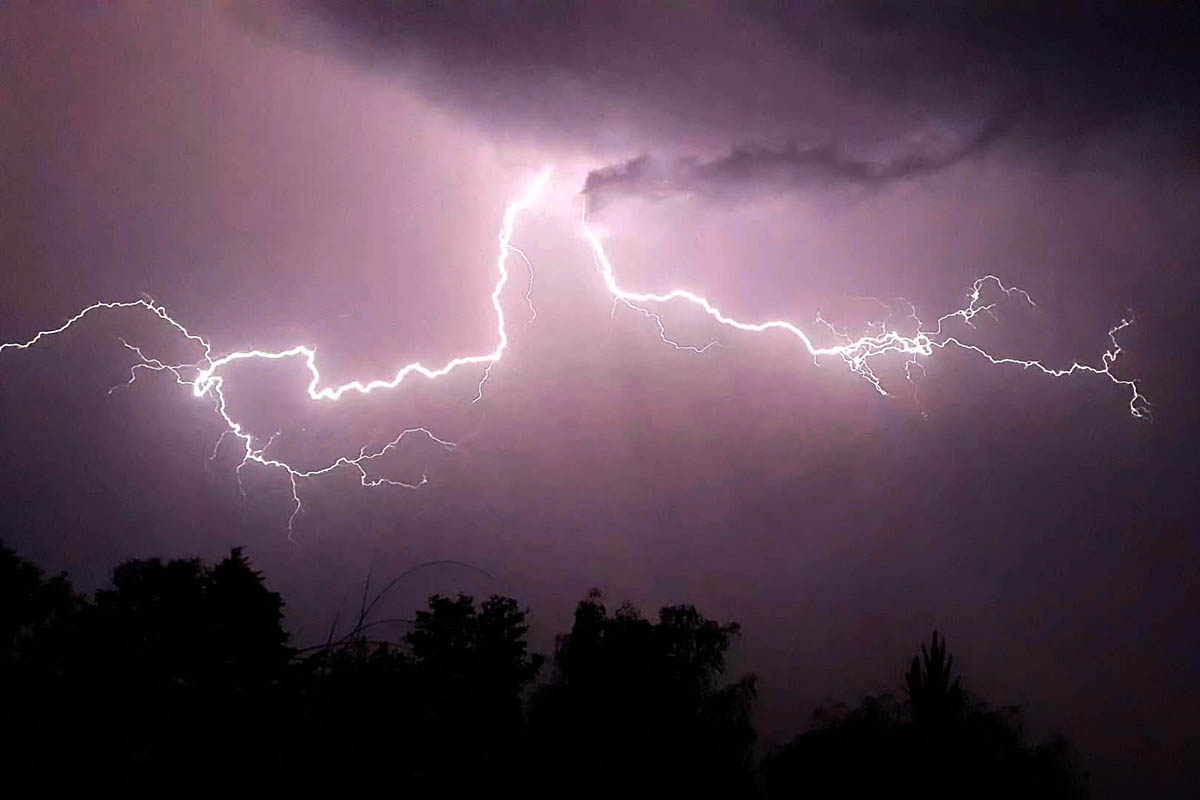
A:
(934, 694)
(38, 623)
(177, 664)
(636, 706)
(444, 711)
(184, 670)
(939, 742)
(184, 662)
(37, 615)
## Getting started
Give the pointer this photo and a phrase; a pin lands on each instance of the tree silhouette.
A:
(184, 663)
(32, 606)
(934, 694)
(443, 710)
(637, 706)
(472, 665)
(353, 706)
(38, 639)
(182, 669)
(940, 742)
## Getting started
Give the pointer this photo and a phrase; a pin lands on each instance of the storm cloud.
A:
(697, 78)
(764, 169)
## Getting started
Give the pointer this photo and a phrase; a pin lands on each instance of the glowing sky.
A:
(276, 175)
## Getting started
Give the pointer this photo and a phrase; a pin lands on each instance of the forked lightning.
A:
(206, 379)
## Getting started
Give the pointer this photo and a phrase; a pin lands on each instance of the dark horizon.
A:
(334, 175)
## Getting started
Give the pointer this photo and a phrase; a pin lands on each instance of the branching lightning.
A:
(859, 353)
(206, 379)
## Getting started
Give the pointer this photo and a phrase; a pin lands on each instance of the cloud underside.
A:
(865, 87)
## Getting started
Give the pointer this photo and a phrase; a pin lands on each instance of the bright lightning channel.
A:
(205, 378)
(859, 353)
(207, 381)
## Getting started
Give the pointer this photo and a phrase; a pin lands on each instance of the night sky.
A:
(335, 174)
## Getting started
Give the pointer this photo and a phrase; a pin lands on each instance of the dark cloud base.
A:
(751, 72)
(764, 169)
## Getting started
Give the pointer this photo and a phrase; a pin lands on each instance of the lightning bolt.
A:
(207, 380)
(859, 353)
(205, 377)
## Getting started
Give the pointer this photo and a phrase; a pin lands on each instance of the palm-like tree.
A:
(933, 691)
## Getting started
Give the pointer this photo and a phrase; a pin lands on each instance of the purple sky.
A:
(309, 173)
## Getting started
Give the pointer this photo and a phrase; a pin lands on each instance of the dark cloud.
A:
(775, 169)
(705, 75)
(1082, 64)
